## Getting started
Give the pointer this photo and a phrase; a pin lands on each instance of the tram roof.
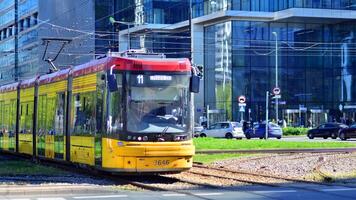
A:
(9, 87)
(28, 83)
(150, 64)
(132, 64)
(54, 77)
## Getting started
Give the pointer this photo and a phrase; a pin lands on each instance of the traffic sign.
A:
(276, 91)
(242, 99)
(242, 109)
(242, 104)
(276, 97)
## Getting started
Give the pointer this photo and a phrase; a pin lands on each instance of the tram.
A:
(128, 112)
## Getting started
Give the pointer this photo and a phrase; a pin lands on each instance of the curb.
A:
(52, 189)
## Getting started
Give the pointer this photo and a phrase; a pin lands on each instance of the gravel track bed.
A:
(206, 180)
(343, 167)
(295, 166)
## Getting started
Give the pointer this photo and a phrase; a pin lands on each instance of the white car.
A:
(224, 130)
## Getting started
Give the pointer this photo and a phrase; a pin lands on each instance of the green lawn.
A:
(16, 167)
(207, 158)
(225, 144)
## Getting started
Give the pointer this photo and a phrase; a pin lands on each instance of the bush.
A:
(295, 131)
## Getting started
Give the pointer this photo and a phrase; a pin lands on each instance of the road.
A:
(290, 192)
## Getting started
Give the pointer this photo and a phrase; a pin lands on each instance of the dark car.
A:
(347, 133)
(259, 130)
(326, 130)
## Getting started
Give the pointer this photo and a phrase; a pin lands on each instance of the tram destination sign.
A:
(144, 80)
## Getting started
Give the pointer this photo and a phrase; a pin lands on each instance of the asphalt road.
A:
(290, 192)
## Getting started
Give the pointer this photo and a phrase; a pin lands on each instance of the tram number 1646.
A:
(161, 162)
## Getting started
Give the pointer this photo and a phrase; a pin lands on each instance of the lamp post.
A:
(113, 21)
(276, 68)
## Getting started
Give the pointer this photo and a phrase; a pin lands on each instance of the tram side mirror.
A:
(194, 84)
(112, 84)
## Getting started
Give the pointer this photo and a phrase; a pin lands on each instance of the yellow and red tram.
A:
(118, 113)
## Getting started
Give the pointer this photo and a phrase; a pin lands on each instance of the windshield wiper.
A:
(161, 137)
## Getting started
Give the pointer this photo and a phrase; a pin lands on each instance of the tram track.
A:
(278, 151)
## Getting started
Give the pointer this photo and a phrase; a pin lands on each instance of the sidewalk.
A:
(52, 189)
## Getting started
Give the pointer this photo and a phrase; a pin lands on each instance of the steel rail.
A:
(279, 151)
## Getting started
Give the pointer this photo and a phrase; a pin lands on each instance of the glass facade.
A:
(152, 11)
(315, 70)
(204, 7)
(18, 34)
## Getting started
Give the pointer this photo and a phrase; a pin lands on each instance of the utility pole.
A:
(276, 69)
(128, 24)
(190, 27)
(267, 100)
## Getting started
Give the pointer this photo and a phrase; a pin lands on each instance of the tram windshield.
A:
(158, 103)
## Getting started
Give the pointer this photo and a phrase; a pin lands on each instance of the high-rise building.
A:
(235, 41)
(24, 24)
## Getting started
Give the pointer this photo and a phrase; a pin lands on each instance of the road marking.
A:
(208, 194)
(20, 199)
(174, 195)
(101, 197)
(337, 189)
(51, 198)
(274, 191)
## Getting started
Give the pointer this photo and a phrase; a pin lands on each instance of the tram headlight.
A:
(145, 138)
(180, 137)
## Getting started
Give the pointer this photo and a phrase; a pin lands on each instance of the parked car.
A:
(326, 130)
(347, 133)
(259, 131)
(224, 129)
(197, 130)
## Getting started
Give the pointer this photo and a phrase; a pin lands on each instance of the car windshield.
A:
(158, 103)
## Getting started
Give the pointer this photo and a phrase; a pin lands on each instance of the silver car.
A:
(224, 130)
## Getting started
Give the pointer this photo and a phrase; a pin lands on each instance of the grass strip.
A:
(226, 144)
(19, 167)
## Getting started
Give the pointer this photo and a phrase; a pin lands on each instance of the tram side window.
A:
(84, 114)
(50, 114)
(115, 109)
(59, 114)
(41, 116)
(1, 118)
(12, 116)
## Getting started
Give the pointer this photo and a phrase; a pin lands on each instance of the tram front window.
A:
(158, 104)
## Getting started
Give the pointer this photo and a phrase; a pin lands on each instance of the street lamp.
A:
(113, 21)
(276, 62)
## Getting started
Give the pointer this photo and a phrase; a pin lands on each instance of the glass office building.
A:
(316, 61)
(18, 22)
(24, 23)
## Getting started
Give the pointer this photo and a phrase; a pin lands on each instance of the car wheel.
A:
(342, 136)
(203, 135)
(228, 136)
(333, 136)
(248, 137)
(261, 138)
(325, 137)
(279, 137)
(310, 136)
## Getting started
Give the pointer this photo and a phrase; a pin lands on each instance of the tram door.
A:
(59, 125)
(41, 125)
